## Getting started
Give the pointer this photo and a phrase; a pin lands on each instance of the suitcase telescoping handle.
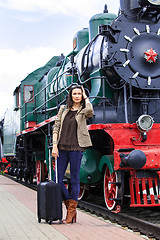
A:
(56, 171)
(50, 167)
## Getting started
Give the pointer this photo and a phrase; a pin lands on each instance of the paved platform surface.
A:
(18, 220)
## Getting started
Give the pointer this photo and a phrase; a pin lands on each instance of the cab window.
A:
(28, 93)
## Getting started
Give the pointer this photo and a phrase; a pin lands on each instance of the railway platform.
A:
(18, 220)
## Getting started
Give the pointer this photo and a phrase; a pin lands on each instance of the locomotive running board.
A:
(144, 192)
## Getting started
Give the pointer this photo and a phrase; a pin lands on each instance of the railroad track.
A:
(141, 220)
(27, 184)
(137, 225)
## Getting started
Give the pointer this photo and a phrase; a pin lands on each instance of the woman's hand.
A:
(84, 93)
(55, 152)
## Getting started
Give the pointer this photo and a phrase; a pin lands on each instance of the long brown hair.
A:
(69, 98)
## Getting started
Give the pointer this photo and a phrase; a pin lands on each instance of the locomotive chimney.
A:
(128, 5)
(105, 8)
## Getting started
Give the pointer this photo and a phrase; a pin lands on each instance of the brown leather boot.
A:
(71, 212)
(66, 202)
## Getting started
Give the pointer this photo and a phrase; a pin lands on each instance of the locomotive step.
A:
(116, 183)
(115, 199)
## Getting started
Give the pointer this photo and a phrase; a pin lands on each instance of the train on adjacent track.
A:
(117, 60)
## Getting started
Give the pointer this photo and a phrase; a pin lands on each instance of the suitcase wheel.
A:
(39, 220)
(50, 222)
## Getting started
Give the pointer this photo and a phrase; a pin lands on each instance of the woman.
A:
(70, 138)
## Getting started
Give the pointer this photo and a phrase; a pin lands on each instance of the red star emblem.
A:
(151, 55)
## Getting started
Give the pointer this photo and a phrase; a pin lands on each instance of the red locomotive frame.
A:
(127, 136)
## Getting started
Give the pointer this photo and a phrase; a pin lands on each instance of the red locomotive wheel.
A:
(110, 188)
(38, 171)
(41, 172)
(83, 193)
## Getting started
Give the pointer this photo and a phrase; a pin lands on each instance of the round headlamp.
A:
(145, 123)
(154, 2)
(149, 2)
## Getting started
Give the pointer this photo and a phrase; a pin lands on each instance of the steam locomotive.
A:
(117, 61)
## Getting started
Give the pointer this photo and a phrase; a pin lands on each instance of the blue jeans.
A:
(74, 157)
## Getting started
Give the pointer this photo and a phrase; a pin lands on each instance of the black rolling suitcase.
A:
(49, 200)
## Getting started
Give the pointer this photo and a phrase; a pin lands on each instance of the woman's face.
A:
(77, 95)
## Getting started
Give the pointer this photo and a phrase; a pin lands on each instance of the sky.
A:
(33, 31)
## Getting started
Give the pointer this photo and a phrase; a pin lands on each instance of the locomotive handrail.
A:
(56, 95)
(66, 88)
(81, 82)
(99, 77)
(43, 89)
(138, 98)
